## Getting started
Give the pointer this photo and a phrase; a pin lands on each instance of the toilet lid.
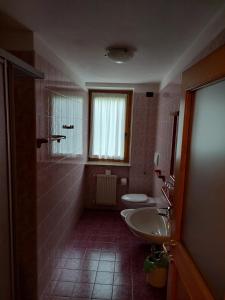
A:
(135, 197)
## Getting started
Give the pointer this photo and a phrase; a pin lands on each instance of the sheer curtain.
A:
(67, 110)
(108, 126)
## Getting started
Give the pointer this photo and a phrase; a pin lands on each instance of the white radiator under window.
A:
(106, 189)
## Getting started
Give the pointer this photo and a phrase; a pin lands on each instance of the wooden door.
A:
(5, 219)
(197, 268)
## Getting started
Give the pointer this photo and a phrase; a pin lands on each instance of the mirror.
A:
(175, 116)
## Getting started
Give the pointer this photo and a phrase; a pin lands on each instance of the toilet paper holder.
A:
(123, 181)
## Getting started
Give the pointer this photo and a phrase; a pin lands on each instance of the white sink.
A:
(146, 223)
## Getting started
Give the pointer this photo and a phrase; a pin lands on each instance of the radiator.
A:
(106, 189)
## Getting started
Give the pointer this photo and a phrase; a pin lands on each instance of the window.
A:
(110, 115)
(67, 120)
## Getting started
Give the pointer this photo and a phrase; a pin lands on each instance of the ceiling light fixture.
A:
(118, 54)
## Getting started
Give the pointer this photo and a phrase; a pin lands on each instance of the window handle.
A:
(68, 126)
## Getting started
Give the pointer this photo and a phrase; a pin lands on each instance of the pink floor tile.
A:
(64, 289)
(73, 264)
(87, 277)
(60, 263)
(76, 253)
(108, 255)
(70, 275)
(102, 291)
(104, 278)
(83, 290)
(107, 246)
(121, 292)
(102, 261)
(123, 266)
(90, 264)
(59, 298)
(92, 254)
(106, 266)
(56, 274)
(122, 279)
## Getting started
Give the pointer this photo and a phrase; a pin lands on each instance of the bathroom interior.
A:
(76, 223)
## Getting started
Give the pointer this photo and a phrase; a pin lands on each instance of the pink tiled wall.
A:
(168, 102)
(59, 179)
(143, 143)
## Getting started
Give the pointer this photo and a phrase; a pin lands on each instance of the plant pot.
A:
(157, 277)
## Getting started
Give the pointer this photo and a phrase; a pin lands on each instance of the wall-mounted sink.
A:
(146, 223)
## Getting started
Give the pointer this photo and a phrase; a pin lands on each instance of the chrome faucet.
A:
(167, 213)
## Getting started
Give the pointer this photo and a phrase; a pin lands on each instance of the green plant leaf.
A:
(157, 261)
(149, 266)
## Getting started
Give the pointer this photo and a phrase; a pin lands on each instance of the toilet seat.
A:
(142, 200)
(137, 198)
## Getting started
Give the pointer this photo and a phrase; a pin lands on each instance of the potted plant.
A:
(155, 267)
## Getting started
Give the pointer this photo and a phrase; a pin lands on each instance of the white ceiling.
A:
(79, 31)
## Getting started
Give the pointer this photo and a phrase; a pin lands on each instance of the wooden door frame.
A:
(206, 71)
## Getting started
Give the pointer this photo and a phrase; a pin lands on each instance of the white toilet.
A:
(141, 200)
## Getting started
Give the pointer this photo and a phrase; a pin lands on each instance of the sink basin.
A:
(147, 224)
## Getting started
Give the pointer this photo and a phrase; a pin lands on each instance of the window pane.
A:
(108, 126)
(67, 110)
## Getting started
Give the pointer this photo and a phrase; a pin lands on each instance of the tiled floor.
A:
(104, 261)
